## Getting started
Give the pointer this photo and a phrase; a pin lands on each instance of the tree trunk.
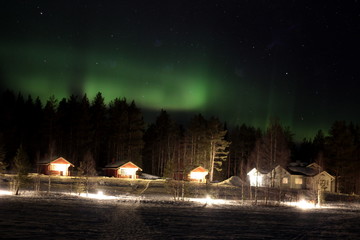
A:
(49, 184)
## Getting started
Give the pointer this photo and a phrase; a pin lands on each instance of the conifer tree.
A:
(218, 146)
(275, 148)
(98, 131)
(3, 165)
(197, 143)
(118, 124)
(340, 151)
(21, 168)
(135, 134)
(87, 169)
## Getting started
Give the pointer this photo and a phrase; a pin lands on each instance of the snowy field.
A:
(62, 216)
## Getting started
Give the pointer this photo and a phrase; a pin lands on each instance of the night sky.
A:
(242, 61)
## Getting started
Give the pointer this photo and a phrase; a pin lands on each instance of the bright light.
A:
(100, 195)
(2, 192)
(208, 200)
(303, 204)
(256, 180)
(198, 175)
(128, 172)
(60, 167)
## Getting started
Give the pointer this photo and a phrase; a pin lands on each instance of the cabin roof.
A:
(325, 173)
(59, 160)
(199, 169)
(122, 164)
(306, 171)
(261, 171)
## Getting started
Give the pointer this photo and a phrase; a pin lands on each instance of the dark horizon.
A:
(183, 118)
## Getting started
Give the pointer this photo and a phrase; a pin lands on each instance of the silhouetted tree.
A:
(340, 151)
(21, 167)
(98, 131)
(197, 148)
(49, 127)
(87, 169)
(275, 148)
(218, 146)
(149, 151)
(243, 140)
(164, 143)
(118, 130)
(3, 164)
(136, 130)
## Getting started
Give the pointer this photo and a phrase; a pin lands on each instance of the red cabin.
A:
(122, 170)
(198, 174)
(59, 167)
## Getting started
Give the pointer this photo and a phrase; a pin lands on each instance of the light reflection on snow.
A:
(100, 195)
(3, 192)
(209, 200)
(303, 204)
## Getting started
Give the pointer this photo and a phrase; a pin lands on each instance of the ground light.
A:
(208, 200)
(99, 195)
(303, 204)
(3, 192)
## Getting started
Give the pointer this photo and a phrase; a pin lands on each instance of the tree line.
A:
(77, 128)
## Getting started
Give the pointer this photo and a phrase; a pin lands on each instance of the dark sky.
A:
(243, 61)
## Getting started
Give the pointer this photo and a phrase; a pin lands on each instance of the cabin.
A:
(294, 176)
(258, 178)
(322, 181)
(198, 174)
(122, 170)
(310, 177)
(281, 177)
(57, 167)
(298, 176)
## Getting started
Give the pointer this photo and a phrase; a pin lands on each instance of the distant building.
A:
(294, 176)
(258, 178)
(198, 174)
(122, 170)
(322, 181)
(59, 167)
(285, 178)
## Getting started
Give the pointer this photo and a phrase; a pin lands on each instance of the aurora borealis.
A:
(241, 61)
(63, 72)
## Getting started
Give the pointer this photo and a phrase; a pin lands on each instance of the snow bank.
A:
(234, 181)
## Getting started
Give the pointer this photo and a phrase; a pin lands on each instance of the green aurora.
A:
(244, 62)
(44, 72)
(158, 84)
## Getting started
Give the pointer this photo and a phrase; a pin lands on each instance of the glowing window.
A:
(298, 181)
(59, 167)
(198, 175)
(127, 171)
(256, 180)
(285, 180)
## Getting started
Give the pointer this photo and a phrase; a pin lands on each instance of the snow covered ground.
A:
(64, 216)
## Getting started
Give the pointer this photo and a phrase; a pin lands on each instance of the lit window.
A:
(298, 181)
(198, 175)
(256, 180)
(285, 180)
(59, 167)
(127, 171)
